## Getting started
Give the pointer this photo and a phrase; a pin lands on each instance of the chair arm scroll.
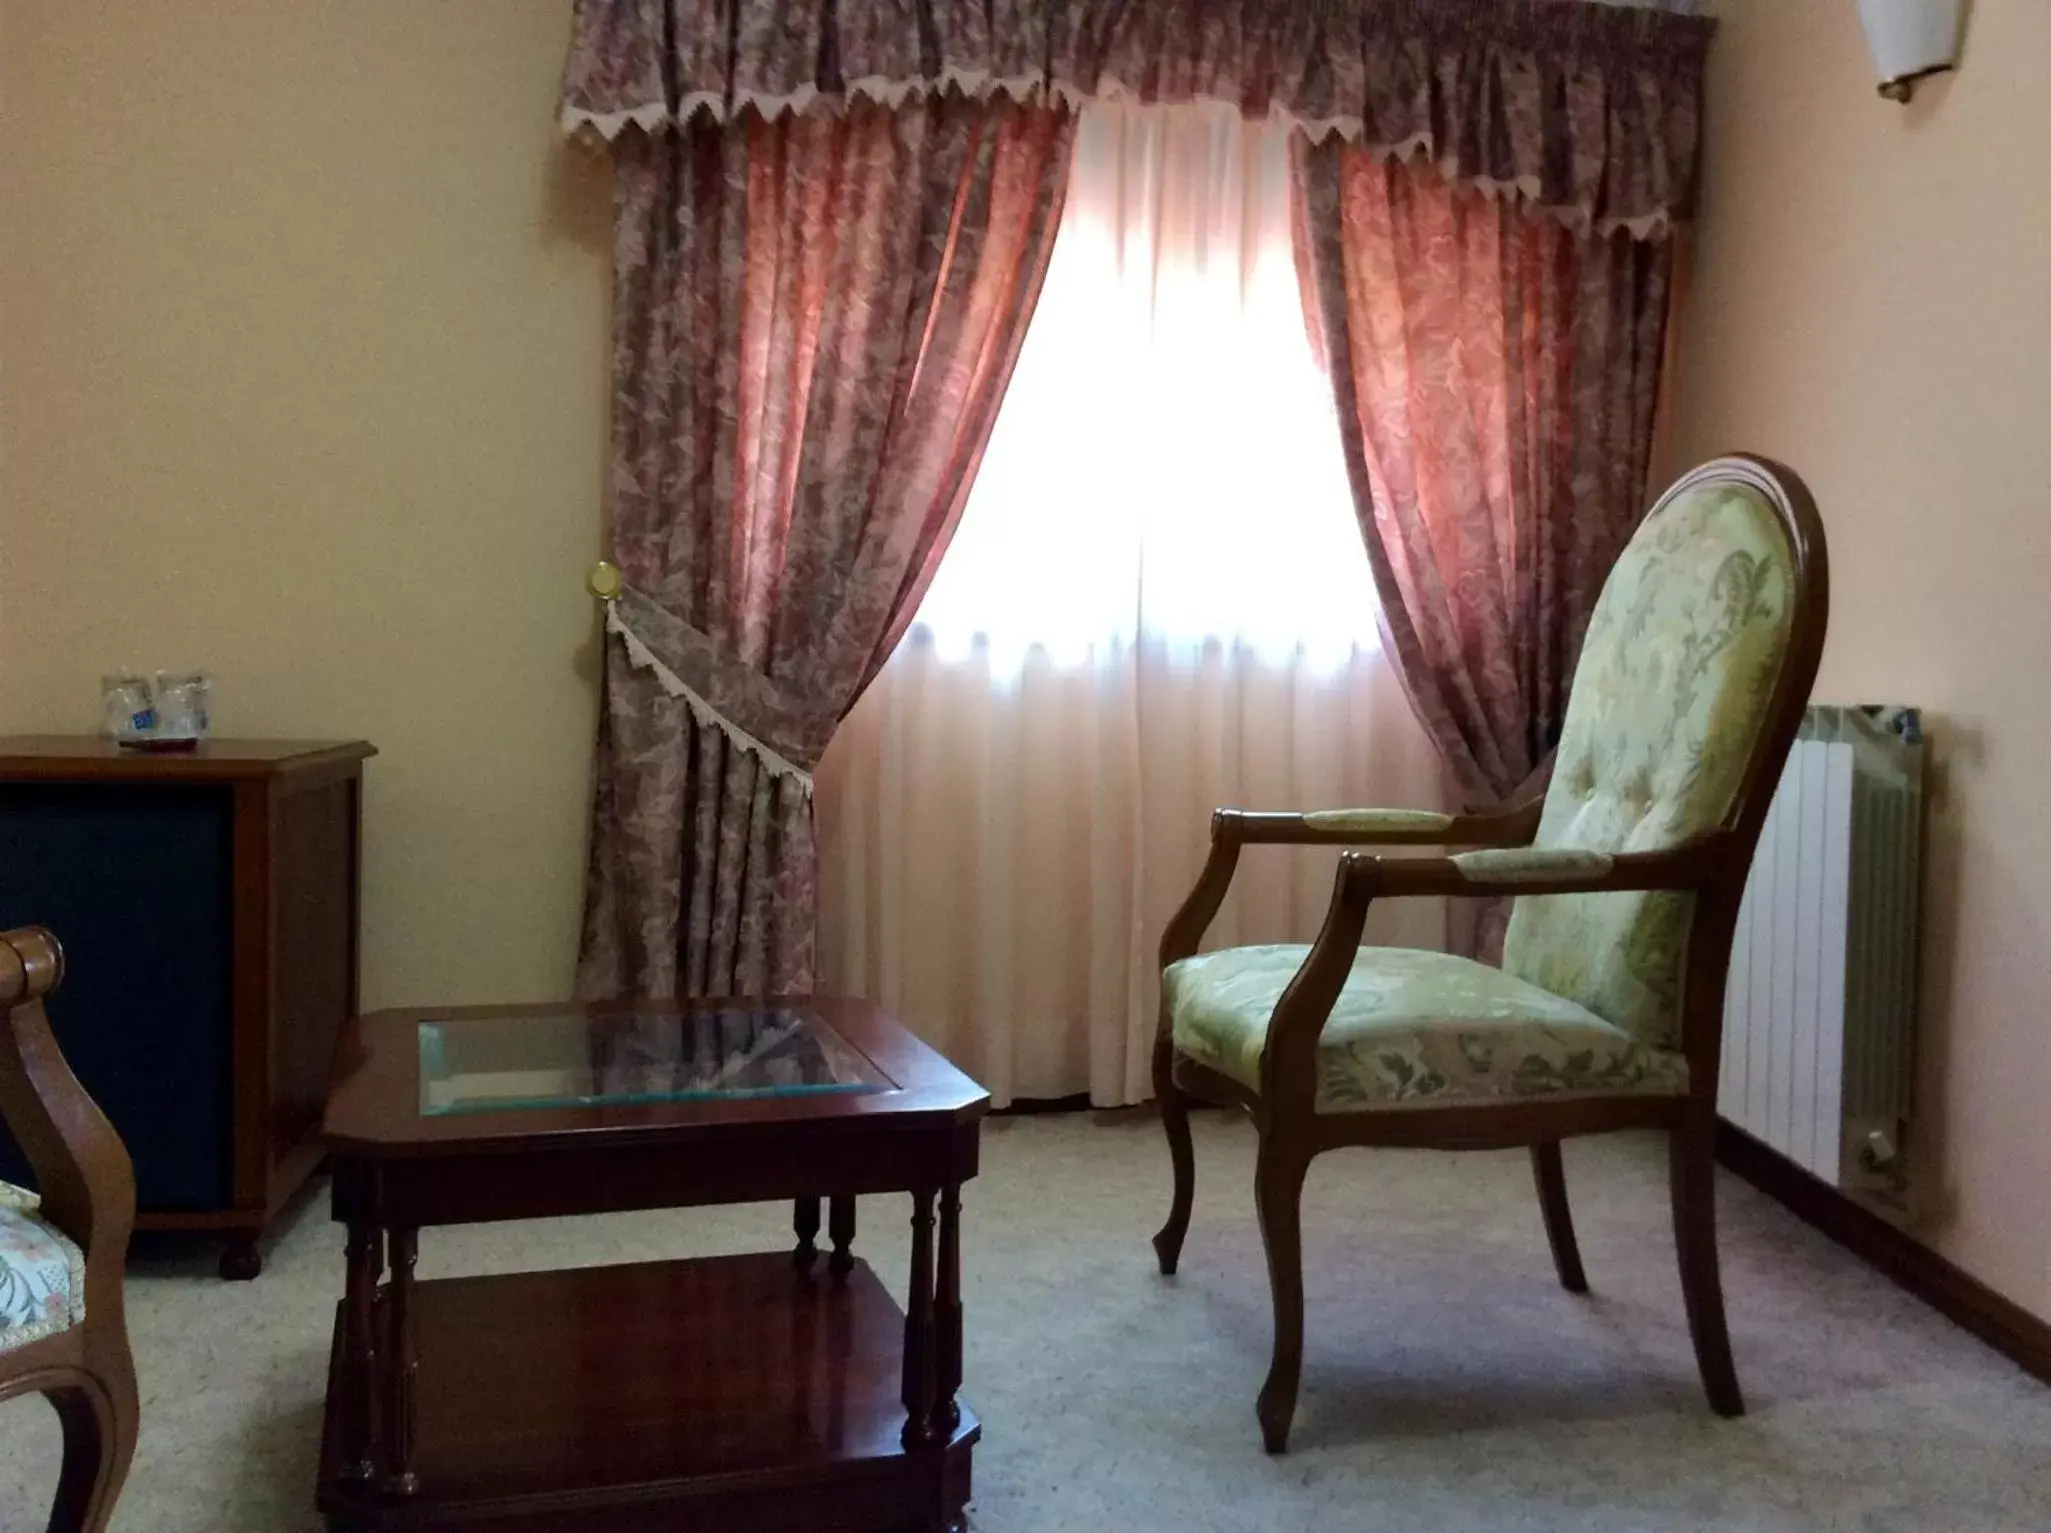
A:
(1185, 930)
(31, 965)
(82, 1169)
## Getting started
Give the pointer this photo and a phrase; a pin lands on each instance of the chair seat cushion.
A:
(42, 1273)
(1413, 1029)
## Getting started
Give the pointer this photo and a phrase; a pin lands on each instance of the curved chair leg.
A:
(99, 1425)
(1175, 1120)
(1692, 1153)
(1551, 1178)
(1278, 1195)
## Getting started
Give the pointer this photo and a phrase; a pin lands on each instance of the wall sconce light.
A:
(1910, 39)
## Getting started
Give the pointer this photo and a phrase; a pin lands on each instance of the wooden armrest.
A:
(1527, 870)
(1289, 1057)
(1514, 826)
(1232, 829)
(82, 1169)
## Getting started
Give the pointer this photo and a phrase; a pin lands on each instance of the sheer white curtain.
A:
(1157, 603)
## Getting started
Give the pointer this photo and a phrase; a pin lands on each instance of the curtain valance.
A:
(1589, 111)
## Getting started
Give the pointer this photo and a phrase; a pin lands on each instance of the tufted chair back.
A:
(1669, 718)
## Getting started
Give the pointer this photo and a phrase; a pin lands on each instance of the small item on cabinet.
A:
(182, 698)
(128, 710)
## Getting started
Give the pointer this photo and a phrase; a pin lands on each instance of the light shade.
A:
(1910, 39)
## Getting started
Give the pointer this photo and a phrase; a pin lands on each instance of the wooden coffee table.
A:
(774, 1391)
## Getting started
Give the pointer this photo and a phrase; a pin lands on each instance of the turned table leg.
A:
(401, 1366)
(921, 1372)
(805, 1223)
(841, 1226)
(947, 1316)
(366, 1257)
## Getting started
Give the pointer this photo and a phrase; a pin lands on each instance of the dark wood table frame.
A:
(837, 1463)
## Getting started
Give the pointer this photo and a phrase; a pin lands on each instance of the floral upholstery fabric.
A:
(1412, 1029)
(1666, 710)
(1529, 864)
(1378, 821)
(814, 320)
(42, 1274)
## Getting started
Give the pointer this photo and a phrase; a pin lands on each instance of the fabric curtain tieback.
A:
(750, 709)
(814, 319)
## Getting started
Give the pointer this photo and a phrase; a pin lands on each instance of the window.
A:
(1166, 468)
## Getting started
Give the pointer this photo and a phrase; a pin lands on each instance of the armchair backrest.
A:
(1697, 663)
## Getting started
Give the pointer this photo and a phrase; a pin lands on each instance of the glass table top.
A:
(569, 1059)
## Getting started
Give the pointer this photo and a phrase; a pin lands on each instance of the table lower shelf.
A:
(721, 1392)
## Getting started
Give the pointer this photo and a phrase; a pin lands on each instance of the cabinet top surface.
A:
(91, 756)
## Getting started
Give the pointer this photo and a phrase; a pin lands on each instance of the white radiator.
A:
(1819, 1013)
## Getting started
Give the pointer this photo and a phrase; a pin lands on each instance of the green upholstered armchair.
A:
(1607, 1012)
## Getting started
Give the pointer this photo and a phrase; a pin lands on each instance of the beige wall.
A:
(302, 316)
(1872, 304)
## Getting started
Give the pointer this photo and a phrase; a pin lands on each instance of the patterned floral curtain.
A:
(814, 319)
(1592, 110)
(1496, 372)
(832, 222)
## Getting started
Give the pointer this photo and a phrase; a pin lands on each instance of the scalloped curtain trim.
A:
(577, 122)
(642, 658)
(976, 84)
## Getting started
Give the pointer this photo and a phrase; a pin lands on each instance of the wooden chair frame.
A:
(88, 1192)
(1292, 1132)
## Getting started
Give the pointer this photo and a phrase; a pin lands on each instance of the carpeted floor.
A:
(1449, 1384)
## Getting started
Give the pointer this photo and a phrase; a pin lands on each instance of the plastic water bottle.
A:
(128, 710)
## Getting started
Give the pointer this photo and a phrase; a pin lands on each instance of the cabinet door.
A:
(135, 881)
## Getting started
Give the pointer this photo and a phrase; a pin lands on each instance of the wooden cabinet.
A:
(207, 902)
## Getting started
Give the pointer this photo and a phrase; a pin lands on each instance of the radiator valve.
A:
(1879, 1154)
